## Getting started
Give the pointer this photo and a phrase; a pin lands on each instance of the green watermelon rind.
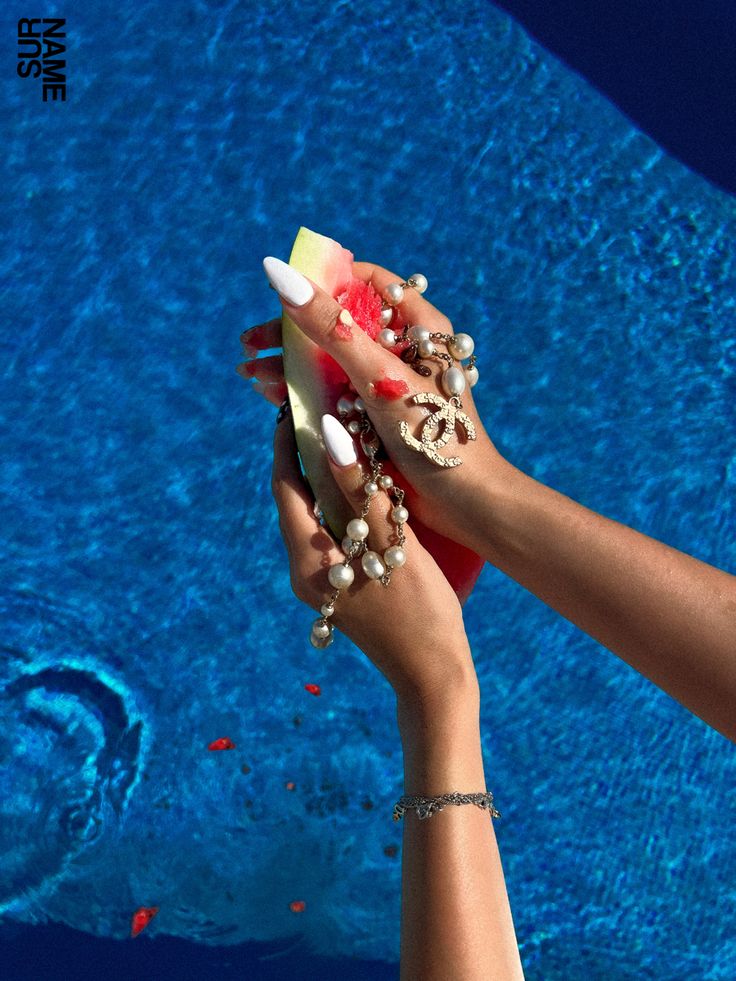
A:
(328, 265)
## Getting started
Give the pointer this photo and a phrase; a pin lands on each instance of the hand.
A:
(441, 498)
(412, 629)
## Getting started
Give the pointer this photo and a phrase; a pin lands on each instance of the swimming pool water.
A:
(144, 588)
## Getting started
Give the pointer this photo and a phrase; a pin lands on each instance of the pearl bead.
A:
(327, 609)
(394, 293)
(321, 629)
(399, 514)
(372, 565)
(461, 346)
(395, 556)
(359, 405)
(346, 544)
(386, 316)
(357, 529)
(344, 405)
(321, 642)
(354, 427)
(340, 576)
(386, 481)
(386, 337)
(370, 487)
(419, 333)
(419, 281)
(453, 381)
(471, 374)
(426, 348)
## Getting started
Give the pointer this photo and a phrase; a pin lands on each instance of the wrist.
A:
(433, 708)
(491, 507)
(441, 743)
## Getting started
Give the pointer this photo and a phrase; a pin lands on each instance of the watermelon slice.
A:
(315, 381)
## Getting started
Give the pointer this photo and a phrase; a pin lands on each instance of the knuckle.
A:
(331, 320)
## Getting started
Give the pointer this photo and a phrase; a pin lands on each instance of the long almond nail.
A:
(288, 282)
(338, 441)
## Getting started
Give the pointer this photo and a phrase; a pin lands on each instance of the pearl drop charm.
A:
(321, 642)
(321, 629)
(344, 405)
(399, 514)
(370, 487)
(395, 556)
(394, 293)
(453, 381)
(372, 565)
(461, 346)
(386, 316)
(471, 373)
(418, 333)
(359, 405)
(426, 348)
(357, 529)
(386, 337)
(346, 544)
(419, 282)
(385, 481)
(354, 427)
(340, 576)
(327, 609)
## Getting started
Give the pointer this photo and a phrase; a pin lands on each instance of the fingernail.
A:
(288, 282)
(338, 441)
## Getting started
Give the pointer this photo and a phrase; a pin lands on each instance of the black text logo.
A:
(41, 53)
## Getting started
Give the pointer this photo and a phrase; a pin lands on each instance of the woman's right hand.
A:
(440, 497)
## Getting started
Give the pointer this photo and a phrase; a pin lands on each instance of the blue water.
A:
(144, 591)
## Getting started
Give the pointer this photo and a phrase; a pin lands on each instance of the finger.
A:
(262, 337)
(351, 476)
(414, 307)
(330, 326)
(294, 500)
(274, 392)
(264, 369)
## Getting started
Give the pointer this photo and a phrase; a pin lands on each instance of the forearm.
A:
(455, 916)
(669, 615)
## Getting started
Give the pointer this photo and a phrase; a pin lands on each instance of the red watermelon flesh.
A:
(315, 382)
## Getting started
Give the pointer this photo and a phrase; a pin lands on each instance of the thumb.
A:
(332, 327)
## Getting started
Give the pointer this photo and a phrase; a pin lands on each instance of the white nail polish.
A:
(288, 282)
(338, 441)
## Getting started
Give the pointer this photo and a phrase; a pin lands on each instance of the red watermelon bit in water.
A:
(314, 689)
(222, 743)
(297, 906)
(141, 918)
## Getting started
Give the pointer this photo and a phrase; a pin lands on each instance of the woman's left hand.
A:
(412, 629)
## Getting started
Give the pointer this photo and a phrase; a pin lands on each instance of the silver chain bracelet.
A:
(426, 806)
